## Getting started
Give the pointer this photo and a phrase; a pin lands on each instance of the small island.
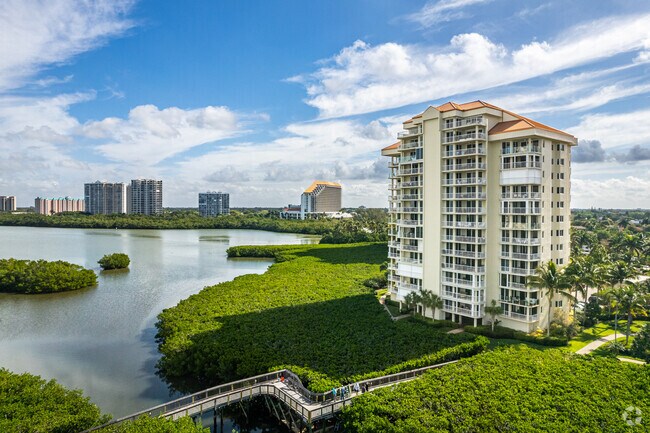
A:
(114, 261)
(41, 276)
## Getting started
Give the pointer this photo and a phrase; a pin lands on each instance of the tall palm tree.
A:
(551, 280)
(613, 297)
(435, 302)
(583, 273)
(494, 310)
(425, 296)
(411, 300)
(620, 272)
(631, 301)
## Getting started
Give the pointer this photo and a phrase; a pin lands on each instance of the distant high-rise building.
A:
(145, 197)
(7, 203)
(321, 197)
(105, 198)
(214, 203)
(51, 206)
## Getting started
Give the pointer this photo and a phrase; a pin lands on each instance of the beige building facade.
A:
(479, 198)
(7, 203)
(51, 206)
(321, 197)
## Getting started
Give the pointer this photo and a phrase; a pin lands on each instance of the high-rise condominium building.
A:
(51, 206)
(214, 203)
(7, 203)
(321, 197)
(479, 198)
(144, 196)
(105, 198)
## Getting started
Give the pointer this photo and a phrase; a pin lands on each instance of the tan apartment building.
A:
(7, 203)
(320, 197)
(51, 206)
(479, 198)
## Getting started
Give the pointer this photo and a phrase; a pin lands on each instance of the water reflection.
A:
(101, 339)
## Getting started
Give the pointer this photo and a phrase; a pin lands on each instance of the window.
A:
(558, 304)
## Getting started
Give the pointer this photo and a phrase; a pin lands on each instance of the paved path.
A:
(631, 361)
(597, 343)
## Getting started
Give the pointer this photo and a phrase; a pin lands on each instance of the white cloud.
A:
(615, 130)
(364, 78)
(150, 135)
(275, 173)
(624, 192)
(433, 13)
(37, 34)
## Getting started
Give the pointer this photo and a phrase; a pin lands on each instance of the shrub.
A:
(641, 344)
(29, 404)
(515, 389)
(40, 276)
(501, 333)
(147, 424)
(114, 261)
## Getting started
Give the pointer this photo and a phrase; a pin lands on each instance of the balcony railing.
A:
(463, 297)
(520, 301)
(470, 239)
(464, 283)
(528, 164)
(471, 151)
(410, 247)
(463, 224)
(409, 222)
(460, 310)
(408, 171)
(410, 159)
(411, 184)
(412, 209)
(524, 317)
(408, 133)
(464, 181)
(464, 268)
(520, 150)
(521, 241)
(407, 286)
(411, 197)
(524, 195)
(464, 137)
(461, 253)
(513, 285)
(521, 226)
(411, 144)
(411, 261)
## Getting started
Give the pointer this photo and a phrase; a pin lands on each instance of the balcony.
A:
(408, 133)
(409, 236)
(520, 256)
(407, 286)
(467, 195)
(463, 297)
(520, 301)
(460, 310)
(522, 271)
(412, 209)
(411, 144)
(521, 150)
(411, 184)
(518, 286)
(469, 239)
(465, 181)
(463, 224)
(521, 226)
(464, 283)
(411, 197)
(522, 195)
(410, 159)
(409, 171)
(527, 164)
(410, 248)
(394, 244)
(464, 137)
(410, 261)
(464, 268)
(520, 241)
(409, 222)
(480, 150)
(522, 317)
(464, 253)
(393, 256)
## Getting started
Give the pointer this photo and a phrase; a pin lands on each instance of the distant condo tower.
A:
(105, 198)
(214, 203)
(320, 197)
(145, 196)
(51, 206)
(7, 203)
(479, 199)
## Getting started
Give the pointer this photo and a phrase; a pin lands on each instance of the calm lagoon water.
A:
(101, 340)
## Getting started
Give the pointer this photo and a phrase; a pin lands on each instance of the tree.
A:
(494, 310)
(631, 302)
(411, 300)
(619, 272)
(583, 272)
(114, 261)
(641, 344)
(435, 302)
(551, 280)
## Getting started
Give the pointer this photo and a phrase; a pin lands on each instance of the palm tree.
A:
(494, 310)
(613, 297)
(631, 301)
(551, 280)
(425, 296)
(411, 300)
(620, 272)
(583, 272)
(435, 302)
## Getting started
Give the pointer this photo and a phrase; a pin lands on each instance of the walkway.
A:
(309, 406)
(597, 343)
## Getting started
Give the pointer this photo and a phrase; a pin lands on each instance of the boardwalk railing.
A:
(310, 406)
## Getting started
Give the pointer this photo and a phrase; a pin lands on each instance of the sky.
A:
(260, 98)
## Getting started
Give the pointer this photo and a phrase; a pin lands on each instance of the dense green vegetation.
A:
(310, 312)
(40, 276)
(114, 261)
(507, 333)
(367, 226)
(29, 404)
(146, 424)
(514, 389)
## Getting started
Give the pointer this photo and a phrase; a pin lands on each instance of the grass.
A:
(601, 330)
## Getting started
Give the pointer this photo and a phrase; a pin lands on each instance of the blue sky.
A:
(259, 98)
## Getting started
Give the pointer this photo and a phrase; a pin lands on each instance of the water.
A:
(101, 339)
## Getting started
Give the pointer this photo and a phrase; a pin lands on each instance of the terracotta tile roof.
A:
(502, 127)
(392, 146)
(316, 183)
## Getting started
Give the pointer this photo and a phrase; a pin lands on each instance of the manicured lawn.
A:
(601, 330)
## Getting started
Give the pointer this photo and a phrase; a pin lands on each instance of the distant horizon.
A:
(206, 97)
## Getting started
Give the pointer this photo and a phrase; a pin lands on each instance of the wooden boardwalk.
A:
(309, 407)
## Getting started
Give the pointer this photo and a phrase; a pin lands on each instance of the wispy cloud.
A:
(38, 34)
(364, 78)
(615, 130)
(442, 11)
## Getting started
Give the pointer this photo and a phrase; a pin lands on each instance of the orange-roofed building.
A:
(479, 199)
(320, 198)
